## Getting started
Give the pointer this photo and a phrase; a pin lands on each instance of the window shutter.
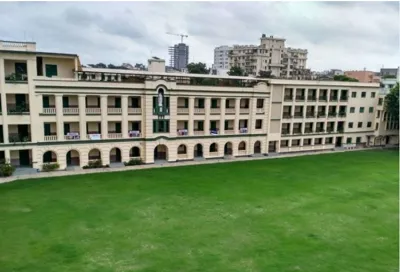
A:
(154, 102)
(186, 103)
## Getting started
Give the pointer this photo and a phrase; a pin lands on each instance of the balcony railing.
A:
(243, 130)
(300, 98)
(198, 132)
(183, 110)
(114, 135)
(260, 110)
(199, 110)
(182, 132)
(344, 98)
(214, 131)
(288, 98)
(244, 110)
(330, 129)
(320, 130)
(49, 111)
(285, 131)
(49, 138)
(16, 78)
(133, 133)
(114, 110)
(333, 98)
(229, 110)
(93, 110)
(229, 131)
(215, 110)
(298, 115)
(71, 111)
(93, 135)
(72, 136)
(311, 98)
(321, 115)
(342, 114)
(134, 110)
(322, 98)
(308, 130)
(296, 131)
(287, 116)
(13, 109)
(17, 138)
(310, 115)
(332, 114)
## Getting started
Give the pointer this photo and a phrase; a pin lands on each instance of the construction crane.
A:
(181, 35)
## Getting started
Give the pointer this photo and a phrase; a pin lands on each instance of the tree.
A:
(197, 68)
(344, 78)
(392, 102)
(265, 74)
(236, 71)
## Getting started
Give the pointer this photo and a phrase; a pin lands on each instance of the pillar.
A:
(237, 115)
(222, 118)
(124, 125)
(59, 117)
(104, 124)
(82, 116)
(191, 115)
(207, 115)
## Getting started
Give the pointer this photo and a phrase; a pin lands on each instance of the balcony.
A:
(330, 129)
(183, 111)
(134, 110)
(114, 111)
(160, 110)
(287, 116)
(93, 111)
(114, 135)
(243, 130)
(72, 136)
(93, 135)
(230, 111)
(285, 132)
(298, 115)
(215, 110)
(49, 111)
(214, 131)
(71, 111)
(50, 138)
(260, 111)
(198, 132)
(17, 138)
(300, 97)
(297, 131)
(199, 110)
(13, 109)
(310, 115)
(308, 130)
(229, 131)
(182, 132)
(321, 115)
(322, 98)
(332, 114)
(288, 98)
(333, 99)
(344, 98)
(342, 114)
(244, 110)
(311, 98)
(320, 130)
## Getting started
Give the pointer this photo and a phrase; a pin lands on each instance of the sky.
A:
(337, 35)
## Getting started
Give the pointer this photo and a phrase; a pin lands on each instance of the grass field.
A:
(335, 212)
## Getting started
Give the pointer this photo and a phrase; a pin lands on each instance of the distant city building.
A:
(389, 72)
(218, 71)
(221, 57)
(363, 76)
(270, 56)
(179, 56)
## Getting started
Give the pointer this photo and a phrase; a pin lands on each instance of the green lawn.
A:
(334, 212)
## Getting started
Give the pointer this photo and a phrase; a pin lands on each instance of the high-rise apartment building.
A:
(221, 57)
(55, 110)
(270, 56)
(179, 56)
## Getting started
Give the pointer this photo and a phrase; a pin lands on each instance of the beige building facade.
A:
(55, 110)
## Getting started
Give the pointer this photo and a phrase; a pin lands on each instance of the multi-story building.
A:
(270, 56)
(179, 56)
(363, 76)
(55, 110)
(221, 57)
(389, 72)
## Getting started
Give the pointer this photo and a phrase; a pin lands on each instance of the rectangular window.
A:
(214, 103)
(352, 110)
(200, 125)
(258, 123)
(46, 101)
(201, 103)
(371, 109)
(369, 124)
(378, 114)
(117, 127)
(380, 101)
(20, 69)
(363, 94)
(351, 125)
(226, 126)
(67, 128)
(65, 101)
(358, 140)
(160, 126)
(213, 125)
(348, 140)
(359, 124)
(135, 102)
(47, 129)
(51, 70)
(373, 95)
(284, 143)
(353, 94)
(260, 103)
(117, 102)
(376, 126)
(361, 109)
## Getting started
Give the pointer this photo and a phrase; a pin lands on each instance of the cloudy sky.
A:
(344, 35)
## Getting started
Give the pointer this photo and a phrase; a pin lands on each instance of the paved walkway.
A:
(167, 164)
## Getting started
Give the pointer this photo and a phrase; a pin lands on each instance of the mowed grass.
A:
(335, 212)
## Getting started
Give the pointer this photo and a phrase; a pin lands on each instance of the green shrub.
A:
(95, 164)
(6, 169)
(47, 167)
(133, 162)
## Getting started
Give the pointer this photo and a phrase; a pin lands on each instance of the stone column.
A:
(191, 115)
(82, 116)
(237, 115)
(59, 117)
(207, 115)
(104, 124)
(222, 118)
(124, 125)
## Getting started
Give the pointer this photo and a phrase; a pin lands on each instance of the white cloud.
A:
(344, 35)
